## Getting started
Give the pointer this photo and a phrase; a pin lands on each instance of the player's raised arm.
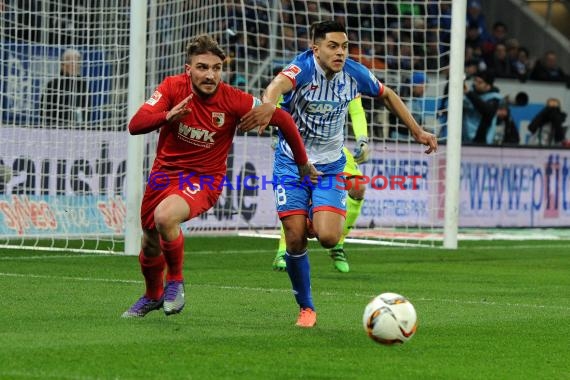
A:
(396, 106)
(261, 115)
(154, 114)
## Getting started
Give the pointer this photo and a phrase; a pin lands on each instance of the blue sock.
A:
(299, 272)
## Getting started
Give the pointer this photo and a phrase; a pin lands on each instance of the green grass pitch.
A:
(490, 310)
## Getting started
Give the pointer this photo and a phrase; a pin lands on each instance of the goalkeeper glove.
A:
(362, 150)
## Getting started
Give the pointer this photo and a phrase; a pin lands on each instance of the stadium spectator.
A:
(318, 210)
(287, 12)
(65, 99)
(522, 64)
(507, 132)
(290, 43)
(365, 52)
(315, 10)
(546, 127)
(547, 69)
(20, 20)
(474, 62)
(473, 38)
(521, 99)
(499, 63)
(512, 45)
(258, 48)
(197, 115)
(406, 59)
(498, 35)
(391, 51)
(480, 104)
(439, 21)
(476, 17)
(415, 101)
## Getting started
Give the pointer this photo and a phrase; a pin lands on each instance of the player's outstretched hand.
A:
(427, 139)
(308, 171)
(362, 150)
(257, 117)
(179, 110)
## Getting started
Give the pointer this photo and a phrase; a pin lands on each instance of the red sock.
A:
(174, 256)
(152, 269)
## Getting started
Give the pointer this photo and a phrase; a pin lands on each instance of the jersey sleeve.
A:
(300, 70)
(160, 100)
(358, 117)
(152, 114)
(242, 101)
(367, 82)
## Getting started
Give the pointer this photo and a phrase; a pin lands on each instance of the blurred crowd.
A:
(411, 38)
(390, 35)
(498, 51)
(403, 35)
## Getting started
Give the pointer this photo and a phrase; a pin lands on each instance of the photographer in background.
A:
(507, 132)
(480, 105)
(546, 127)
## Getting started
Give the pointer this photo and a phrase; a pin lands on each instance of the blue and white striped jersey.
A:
(319, 106)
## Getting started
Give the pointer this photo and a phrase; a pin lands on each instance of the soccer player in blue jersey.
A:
(355, 194)
(317, 87)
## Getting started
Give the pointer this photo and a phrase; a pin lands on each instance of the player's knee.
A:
(296, 246)
(164, 221)
(296, 242)
(150, 247)
(329, 239)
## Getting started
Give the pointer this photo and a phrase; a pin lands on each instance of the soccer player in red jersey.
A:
(197, 115)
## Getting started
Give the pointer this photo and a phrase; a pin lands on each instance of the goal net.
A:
(65, 70)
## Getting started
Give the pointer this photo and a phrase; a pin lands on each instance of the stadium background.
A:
(495, 308)
(80, 189)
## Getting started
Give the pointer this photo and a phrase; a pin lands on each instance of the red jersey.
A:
(200, 141)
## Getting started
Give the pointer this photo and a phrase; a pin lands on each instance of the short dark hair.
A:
(488, 76)
(521, 99)
(320, 29)
(203, 44)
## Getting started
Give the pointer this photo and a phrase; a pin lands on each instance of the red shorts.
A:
(200, 197)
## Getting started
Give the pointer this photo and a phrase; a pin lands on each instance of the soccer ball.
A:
(390, 318)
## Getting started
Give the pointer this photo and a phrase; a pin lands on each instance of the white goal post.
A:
(76, 184)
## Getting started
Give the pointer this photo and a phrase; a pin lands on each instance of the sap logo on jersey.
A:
(321, 108)
(196, 134)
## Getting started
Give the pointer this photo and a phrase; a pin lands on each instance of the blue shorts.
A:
(292, 197)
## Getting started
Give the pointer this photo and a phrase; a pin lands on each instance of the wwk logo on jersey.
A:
(196, 136)
(154, 98)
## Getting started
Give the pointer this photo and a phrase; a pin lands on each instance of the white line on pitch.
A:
(254, 251)
(67, 278)
(43, 257)
(259, 289)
